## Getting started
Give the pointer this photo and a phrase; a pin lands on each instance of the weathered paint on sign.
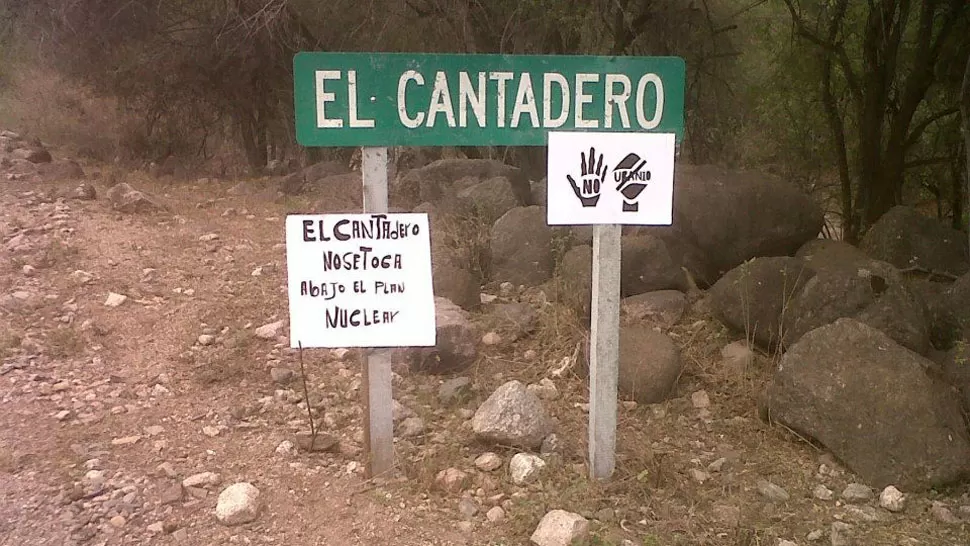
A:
(393, 99)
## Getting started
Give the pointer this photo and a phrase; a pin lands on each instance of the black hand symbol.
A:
(593, 175)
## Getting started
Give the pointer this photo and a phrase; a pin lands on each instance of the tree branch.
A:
(917, 131)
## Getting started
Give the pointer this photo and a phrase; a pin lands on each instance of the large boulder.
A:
(733, 216)
(906, 238)
(62, 169)
(661, 308)
(456, 283)
(487, 200)
(124, 198)
(851, 284)
(645, 266)
(456, 344)
(870, 401)
(950, 312)
(576, 275)
(513, 416)
(435, 181)
(754, 297)
(310, 177)
(956, 371)
(521, 247)
(650, 364)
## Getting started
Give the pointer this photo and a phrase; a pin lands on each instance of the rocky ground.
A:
(145, 370)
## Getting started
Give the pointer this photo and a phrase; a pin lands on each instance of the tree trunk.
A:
(965, 115)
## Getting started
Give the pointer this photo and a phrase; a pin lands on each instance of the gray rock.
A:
(662, 307)
(513, 416)
(524, 468)
(515, 320)
(646, 266)
(238, 504)
(856, 493)
(892, 499)
(269, 331)
(456, 283)
(521, 247)
(467, 507)
(822, 493)
(487, 200)
(282, 376)
(724, 217)
(126, 199)
(411, 427)
(201, 479)
(727, 515)
(870, 402)
(650, 364)
(772, 492)
(453, 389)
(839, 534)
(752, 298)
(438, 180)
(560, 528)
(871, 292)
(551, 444)
(456, 345)
(906, 238)
(488, 462)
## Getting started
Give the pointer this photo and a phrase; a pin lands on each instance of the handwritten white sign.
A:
(360, 280)
(610, 178)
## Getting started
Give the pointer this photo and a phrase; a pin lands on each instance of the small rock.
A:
(157, 528)
(28, 270)
(771, 491)
(560, 528)
(495, 514)
(205, 340)
(822, 493)
(717, 465)
(491, 339)
(411, 427)
(238, 504)
(269, 331)
(118, 522)
(171, 494)
(453, 388)
(451, 479)
(166, 469)
(856, 493)
(892, 499)
(159, 390)
(817, 534)
(114, 300)
(524, 468)
(126, 441)
(488, 462)
(467, 507)
(545, 389)
(699, 476)
(201, 479)
(281, 376)
(63, 415)
(208, 237)
(154, 430)
(211, 431)
(943, 514)
(839, 534)
(783, 542)
(700, 399)
(94, 478)
(512, 415)
(286, 448)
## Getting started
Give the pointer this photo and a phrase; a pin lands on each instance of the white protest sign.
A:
(610, 178)
(360, 280)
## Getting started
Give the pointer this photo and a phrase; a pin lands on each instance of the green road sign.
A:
(395, 99)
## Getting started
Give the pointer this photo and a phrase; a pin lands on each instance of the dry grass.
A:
(64, 343)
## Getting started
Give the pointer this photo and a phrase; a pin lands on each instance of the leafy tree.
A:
(881, 68)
